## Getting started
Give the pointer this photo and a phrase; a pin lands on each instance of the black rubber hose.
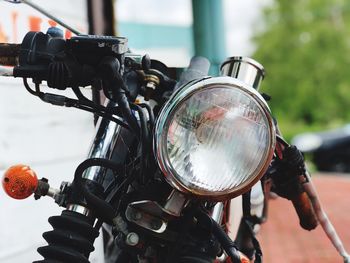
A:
(114, 88)
(150, 114)
(228, 245)
(101, 208)
(143, 123)
(145, 142)
(124, 105)
(97, 109)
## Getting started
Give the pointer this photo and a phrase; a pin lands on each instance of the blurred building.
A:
(54, 140)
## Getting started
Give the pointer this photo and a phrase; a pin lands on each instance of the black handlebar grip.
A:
(198, 68)
(303, 207)
(9, 54)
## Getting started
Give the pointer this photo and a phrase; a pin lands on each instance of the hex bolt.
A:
(132, 239)
(151, 85)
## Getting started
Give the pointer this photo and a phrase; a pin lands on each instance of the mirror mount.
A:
(14, 1)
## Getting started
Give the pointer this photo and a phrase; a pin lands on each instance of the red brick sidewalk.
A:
(284, 241)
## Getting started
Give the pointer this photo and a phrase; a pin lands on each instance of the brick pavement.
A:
(284, 241)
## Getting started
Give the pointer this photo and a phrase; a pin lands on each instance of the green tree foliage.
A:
(305, 49)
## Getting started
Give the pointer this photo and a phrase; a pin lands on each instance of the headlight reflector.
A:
(214, 138)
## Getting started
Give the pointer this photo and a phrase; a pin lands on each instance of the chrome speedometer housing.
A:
(214, 138)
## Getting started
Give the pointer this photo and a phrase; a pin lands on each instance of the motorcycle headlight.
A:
(214, 138)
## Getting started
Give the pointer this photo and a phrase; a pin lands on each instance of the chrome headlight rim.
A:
(166, 115)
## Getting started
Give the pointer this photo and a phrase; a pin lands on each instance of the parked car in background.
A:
(329, 150)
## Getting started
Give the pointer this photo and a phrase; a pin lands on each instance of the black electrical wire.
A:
(101, 114)
(37, 88)
(143, 122)
(150, 114)
(124, 106)
(127, 181)
(145, 142)
(112, 195)
(90, 103)
(228, 245)
(116, 87)
(26, 85)
(109, 187)
(98, 224)
(98, 109)
(101, 111)
(84, 100)
(100, 206)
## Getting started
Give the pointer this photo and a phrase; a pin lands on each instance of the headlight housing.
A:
(214, 138)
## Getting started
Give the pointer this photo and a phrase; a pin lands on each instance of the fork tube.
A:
(102, 147)
(218, 212)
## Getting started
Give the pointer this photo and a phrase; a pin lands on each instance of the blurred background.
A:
(303, 44)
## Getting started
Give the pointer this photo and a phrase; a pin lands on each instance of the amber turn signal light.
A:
(244, 258)
(19, 181)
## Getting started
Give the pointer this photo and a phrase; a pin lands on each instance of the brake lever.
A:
(319, 212)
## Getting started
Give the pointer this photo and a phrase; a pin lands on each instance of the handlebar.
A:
(291, 181)
(198, 68)
(303, 207)
(9, 54)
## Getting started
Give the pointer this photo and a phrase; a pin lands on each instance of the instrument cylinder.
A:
(245, 69)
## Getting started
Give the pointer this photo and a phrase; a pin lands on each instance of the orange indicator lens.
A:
(19, 181)
(244, 258)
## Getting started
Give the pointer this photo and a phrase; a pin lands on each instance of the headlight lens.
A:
(214, 138)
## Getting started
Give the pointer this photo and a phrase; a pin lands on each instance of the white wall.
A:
(52, 140)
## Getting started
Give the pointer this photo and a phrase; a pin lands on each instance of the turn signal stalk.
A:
(20, 182)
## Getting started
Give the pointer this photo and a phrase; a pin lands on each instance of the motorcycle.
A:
(180, 166)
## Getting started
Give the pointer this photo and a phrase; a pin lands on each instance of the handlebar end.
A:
(9, 54)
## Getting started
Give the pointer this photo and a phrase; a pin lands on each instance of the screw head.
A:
(132, 239)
